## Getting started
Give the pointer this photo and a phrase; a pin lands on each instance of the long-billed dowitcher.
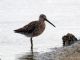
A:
(34, 28)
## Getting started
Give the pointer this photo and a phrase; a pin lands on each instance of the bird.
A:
(34, 28)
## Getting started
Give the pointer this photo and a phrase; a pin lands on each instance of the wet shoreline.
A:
(59, 53)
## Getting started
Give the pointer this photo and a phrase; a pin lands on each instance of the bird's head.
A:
(43, 17)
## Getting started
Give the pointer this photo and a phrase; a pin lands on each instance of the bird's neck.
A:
(41, 20)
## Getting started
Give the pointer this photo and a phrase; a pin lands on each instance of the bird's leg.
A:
(31, 48)
(31, 45)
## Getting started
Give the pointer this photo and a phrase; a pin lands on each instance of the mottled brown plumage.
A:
(69, 39)
(34, 28)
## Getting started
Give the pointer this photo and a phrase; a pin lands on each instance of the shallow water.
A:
(28, 56)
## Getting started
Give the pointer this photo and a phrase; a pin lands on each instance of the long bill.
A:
(50, 23)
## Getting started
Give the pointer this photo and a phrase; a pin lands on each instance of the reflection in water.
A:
(29, 56)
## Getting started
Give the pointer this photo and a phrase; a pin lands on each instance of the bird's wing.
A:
(30, 27)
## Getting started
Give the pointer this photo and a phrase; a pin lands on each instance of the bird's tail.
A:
(19, 30)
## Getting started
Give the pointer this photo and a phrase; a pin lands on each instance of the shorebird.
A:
(34, 28)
